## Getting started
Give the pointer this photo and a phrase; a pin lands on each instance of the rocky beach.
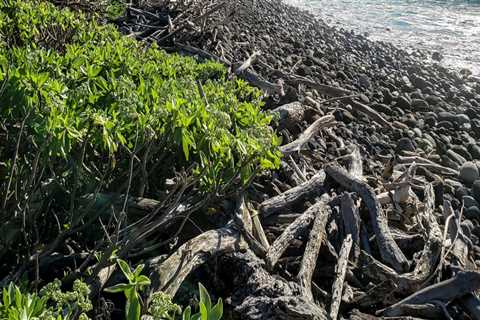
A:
(375, 210)
(406, 129)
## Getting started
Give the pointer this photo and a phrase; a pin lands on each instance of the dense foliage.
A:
(84, 109)
(51, 303)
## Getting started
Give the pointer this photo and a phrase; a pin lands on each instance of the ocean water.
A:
(451, 27)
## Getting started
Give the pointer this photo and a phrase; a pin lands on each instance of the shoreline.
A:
(416, 36)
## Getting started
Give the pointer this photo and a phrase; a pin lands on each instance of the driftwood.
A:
(340, 271)
(308, 189)
(316, 238)
(389, 250)
(258, 295)
(294, 230)
(351, 222)
(444, 292)
(169, 275)
(244, 223)
(308, 134)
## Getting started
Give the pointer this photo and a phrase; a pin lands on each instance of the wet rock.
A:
(433, 100)
(437, 56)
(468, 173)
(461, 150)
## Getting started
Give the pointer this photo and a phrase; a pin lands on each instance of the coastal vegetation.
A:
(87, 115)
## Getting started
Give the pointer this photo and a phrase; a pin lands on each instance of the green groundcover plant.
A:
(51, 303)
(82, 97)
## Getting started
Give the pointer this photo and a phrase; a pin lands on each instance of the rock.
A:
(472, 213)
(468, 172)
(420, 105)
(462, 192)
(461, 150)
(403, 103)
(405, 144)
(462, 119)
(476, 190)
(420, 83)
(433, 100)
(445, 124)
(447, 116)
(474, 150)
(455, 156)
(469, 202)
(437, 56)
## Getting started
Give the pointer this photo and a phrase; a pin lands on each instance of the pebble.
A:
(472, 213)
(403, 103)
(420, 105)
(468, 172)
(469, 202)
(476, 190)
(405, 144)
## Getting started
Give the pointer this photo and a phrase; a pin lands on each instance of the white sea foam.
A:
(450, 27)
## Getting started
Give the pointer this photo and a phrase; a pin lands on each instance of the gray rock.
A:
(403, 103)
(472, 213)
(468, 172)
(420, 105)
(469, 202)
(462, 119)
(405, 144)
(476, 190)
(474, 150)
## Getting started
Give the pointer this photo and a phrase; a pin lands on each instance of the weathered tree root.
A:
(169, 275)
(260, 295)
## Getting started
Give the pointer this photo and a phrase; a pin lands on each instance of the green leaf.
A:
(143, 280)
(138, 270)
(203, 312)
(187, 313)
(217, 311)
(121, 287)
(133, 308)
(204, 297)
(125, 269)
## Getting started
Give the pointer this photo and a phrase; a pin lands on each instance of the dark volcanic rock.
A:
(405, 144)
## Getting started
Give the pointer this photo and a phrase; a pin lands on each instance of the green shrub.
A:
(49, 304)
(88, 97)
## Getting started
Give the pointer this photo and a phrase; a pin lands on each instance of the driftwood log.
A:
(389, 250)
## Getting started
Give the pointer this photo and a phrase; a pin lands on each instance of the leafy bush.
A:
(50, 304)
(207, 311)
(80, 103)
(136, 283)
(79, 85)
